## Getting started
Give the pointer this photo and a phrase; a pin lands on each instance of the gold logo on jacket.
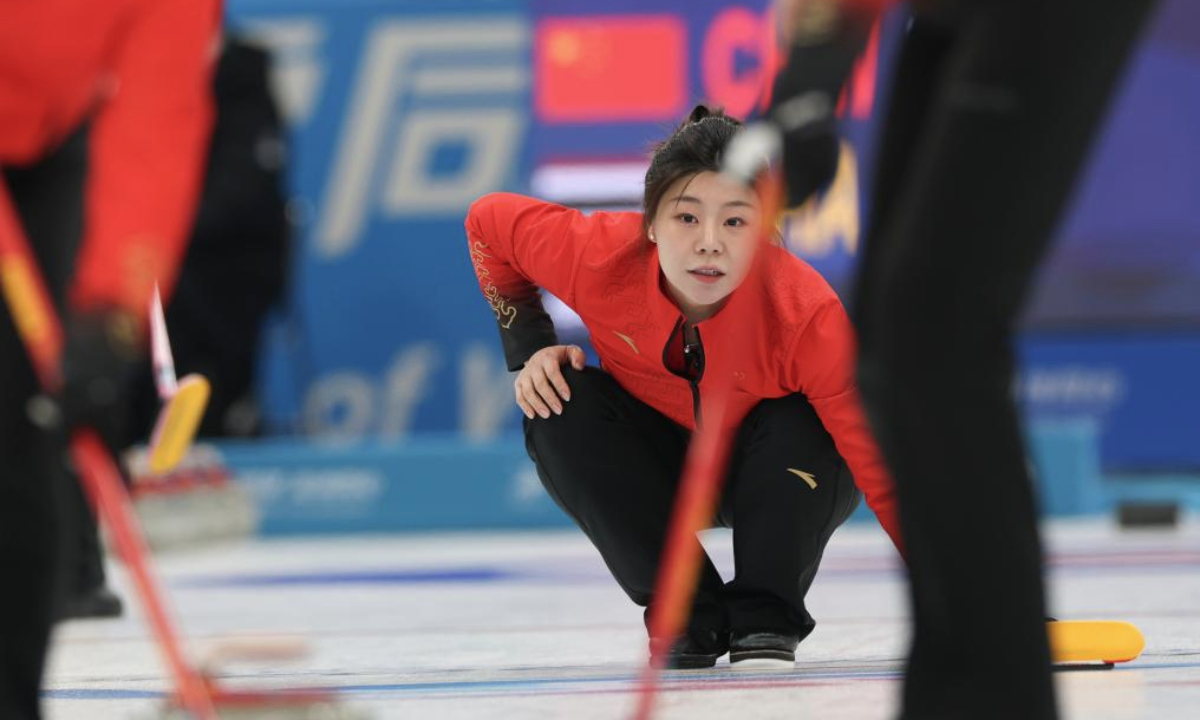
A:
(628, 341)
(505, 312)
(806, 477)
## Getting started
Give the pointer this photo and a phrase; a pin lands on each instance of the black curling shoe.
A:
(762, 650)
(93, 604)
(688, 654)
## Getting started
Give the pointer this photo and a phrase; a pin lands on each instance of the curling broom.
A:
(42, 334)
(196, 697)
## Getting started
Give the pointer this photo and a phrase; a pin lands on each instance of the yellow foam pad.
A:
(1089, 641)
(178, 422)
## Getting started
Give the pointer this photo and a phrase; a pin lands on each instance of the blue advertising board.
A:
(403, 112)
(1139, 389)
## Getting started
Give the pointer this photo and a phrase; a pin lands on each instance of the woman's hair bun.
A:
(699, 113)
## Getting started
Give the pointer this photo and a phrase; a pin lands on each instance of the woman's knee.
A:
(592, 394)
(791, 417)
(594, 427)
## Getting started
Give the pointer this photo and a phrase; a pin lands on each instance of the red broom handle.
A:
(699, 491)
(703, 476)
(41, 332)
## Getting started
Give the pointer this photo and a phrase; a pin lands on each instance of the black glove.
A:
(99, 348)
(805, 93)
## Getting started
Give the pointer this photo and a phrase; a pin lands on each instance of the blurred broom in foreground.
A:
(196, 696)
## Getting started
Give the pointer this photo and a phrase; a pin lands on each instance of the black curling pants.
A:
(613, 464)
(993, 110)
(41, 505)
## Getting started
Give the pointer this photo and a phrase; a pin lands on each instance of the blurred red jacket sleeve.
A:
(148, 150)
(824, 358)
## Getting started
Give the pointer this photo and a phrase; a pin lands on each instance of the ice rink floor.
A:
(529, 625)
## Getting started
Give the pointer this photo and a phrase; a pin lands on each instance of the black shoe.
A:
(687, 654)
(99, 602)
(762, 649)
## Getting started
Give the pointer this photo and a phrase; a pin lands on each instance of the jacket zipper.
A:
(693, 357)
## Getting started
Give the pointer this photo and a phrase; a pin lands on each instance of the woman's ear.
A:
(650, 234)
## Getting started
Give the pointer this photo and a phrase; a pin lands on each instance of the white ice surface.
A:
(533, 627)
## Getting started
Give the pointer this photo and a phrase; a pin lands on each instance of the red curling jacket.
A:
(140, 71)
(604, 268)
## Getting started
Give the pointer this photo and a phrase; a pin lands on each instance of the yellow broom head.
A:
(178, 422)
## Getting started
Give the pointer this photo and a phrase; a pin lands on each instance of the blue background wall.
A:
(404, 111)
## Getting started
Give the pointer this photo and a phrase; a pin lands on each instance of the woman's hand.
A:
(540, 383)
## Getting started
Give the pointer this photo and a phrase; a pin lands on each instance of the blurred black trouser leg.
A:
(34, 514)
(90, 562)
(970, 192)
(83, 589)
(29, 526)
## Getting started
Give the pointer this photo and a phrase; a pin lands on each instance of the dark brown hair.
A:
(695, 147)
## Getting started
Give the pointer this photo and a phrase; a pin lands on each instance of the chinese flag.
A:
(610, 68)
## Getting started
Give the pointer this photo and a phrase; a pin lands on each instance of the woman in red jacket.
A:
(662, 295)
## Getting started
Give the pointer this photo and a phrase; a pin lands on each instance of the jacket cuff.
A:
(531, 330)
